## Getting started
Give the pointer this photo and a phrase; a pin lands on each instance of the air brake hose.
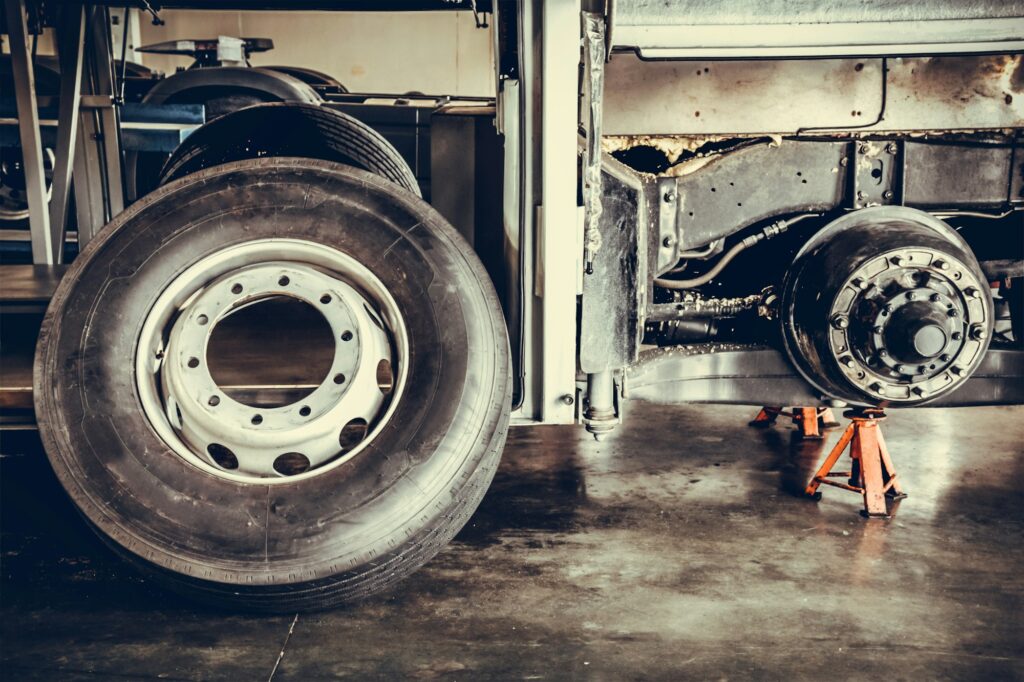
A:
(772, 230)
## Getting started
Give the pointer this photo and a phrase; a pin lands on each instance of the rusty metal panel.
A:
(791, 96)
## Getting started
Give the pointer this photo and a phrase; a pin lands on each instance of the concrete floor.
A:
(675, 549)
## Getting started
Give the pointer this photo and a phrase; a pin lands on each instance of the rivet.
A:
(567, 399)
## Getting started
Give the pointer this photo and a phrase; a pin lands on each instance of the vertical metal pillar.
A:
(29, 130)
(70, 47)
(99, 185)
(557, 243)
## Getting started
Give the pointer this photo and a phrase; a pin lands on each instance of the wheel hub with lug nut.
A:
(913, 310)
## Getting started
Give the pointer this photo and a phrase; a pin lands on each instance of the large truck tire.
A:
(125, 402)
(221, 90)
(289, 129)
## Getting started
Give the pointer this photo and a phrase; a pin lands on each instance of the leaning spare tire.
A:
(289, 129)
(182, 477)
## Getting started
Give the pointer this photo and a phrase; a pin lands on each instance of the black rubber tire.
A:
(289, 129)
(221, 90)
(350, 532)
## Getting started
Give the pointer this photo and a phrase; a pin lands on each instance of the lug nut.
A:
(878, 330)
(669, 196)
(952, 312)
(935, 298)
(840, 321)
(956, 336)
(944, 357)
(956, 370)
(971, 292)
(847, 361)
(911, 296)
(883, 353)
(941, 265)
(918, 391)
(668, 242)
(887, 309)
(878, 388)
(896, 260)
(978, 332)
(900, 369)
(860, 283)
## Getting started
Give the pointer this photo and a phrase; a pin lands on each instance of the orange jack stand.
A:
(810, 420)
(872, 473)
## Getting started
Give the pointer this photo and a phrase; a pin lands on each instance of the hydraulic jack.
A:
(811, 421)
(872, 473)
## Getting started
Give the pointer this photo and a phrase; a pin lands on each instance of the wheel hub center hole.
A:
(271, 352)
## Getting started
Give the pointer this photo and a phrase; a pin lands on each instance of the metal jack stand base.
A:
(872, 473)
(810, 420)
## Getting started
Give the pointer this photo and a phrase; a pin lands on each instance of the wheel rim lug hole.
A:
(325, 299)
(304, 410)
(339, 378)
(284, 281)
(193, 363)
(257, 419)
(236, 289)
(346, 335)
(214, 401)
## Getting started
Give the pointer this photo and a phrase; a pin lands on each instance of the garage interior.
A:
(645, 520)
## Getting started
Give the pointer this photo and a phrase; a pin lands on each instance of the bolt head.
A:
(945, 357)
(878, 388)
(567, 399)
(887, 309)
(935, 298)
(883, 353)
(956, 336)
(667, 242)
(978, 332)
(911, 296)
(900, 368)
(918, 391)
(847, 361)
(952, 312)
(971, 292)
(878, 329)
(941, 265)
(891, 148)
(896, 260)
(860, 283)
(669, 196)
(862, 149)
(956, 370)
(840, 321)
(887, 194)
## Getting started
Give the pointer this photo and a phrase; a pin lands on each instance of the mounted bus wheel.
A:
(232, 494)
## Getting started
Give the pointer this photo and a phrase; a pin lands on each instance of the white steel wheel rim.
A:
(208, 428)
